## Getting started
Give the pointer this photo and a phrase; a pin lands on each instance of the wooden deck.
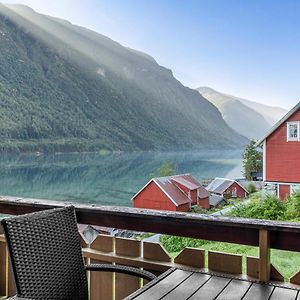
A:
(183, 285)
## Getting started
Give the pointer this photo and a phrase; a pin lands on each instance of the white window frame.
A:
(292, 139)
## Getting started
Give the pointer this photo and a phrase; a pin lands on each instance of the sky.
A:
(247, 48)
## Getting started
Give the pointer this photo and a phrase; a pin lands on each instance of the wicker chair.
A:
(46, 256)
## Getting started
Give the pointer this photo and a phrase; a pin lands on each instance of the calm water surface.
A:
(105, 179)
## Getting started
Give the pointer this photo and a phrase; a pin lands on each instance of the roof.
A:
(203, 193)
(215, 200)
(220, 185)
(280, 122)
(188, 181)
(175, 194)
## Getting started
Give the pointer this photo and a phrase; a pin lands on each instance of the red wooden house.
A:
(176, 193)
(281, 154)
(227, 188)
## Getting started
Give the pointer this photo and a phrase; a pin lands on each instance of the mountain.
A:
(248, 118)
(67, 88)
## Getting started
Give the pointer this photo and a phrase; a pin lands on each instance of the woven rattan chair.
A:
(46, 256)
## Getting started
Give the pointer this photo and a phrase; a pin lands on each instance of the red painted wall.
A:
(191, 194)
(240, 191)
(194, 196)
(204, 203)
(284, 190)
(282, 157)
(152, 197)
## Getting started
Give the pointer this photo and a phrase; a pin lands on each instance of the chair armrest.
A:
(19, 298)
(121, 269)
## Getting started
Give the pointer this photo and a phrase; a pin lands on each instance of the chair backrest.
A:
(46, 255)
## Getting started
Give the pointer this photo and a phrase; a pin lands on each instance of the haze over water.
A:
(105, 179)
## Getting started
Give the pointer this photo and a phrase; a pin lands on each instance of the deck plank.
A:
(164, 286)
(235, 290)
(211, 289)
(258, 292)
(187, 287)
(284, 294)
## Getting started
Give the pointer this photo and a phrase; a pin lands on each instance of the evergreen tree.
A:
(252, 160)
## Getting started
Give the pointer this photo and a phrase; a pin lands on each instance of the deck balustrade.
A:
(152, 256)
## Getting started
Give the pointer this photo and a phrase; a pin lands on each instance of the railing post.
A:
(264, 255)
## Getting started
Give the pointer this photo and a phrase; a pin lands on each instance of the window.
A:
(293, 131)
(295, 188)
(234, 192)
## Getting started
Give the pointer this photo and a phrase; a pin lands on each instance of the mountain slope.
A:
(249, 118)
(64, 87)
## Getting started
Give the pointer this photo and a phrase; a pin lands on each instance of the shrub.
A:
(293, 207)
(251, 187)
(270, 208)
(177, 243)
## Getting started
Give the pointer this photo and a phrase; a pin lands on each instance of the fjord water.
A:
(110, 179)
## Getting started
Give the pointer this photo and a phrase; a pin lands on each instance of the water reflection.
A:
(104, 179)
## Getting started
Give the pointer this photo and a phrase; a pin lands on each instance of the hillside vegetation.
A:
(66, 88)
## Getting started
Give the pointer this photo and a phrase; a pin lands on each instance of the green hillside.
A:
(66, 88)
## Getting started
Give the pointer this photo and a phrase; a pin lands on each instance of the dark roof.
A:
(215, 200)
(174, 193)
(220, 185)
(281, 121)
(203, 193)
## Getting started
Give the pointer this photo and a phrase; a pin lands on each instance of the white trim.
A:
(265, 160)
(281, 121)
(157, 184)
(142, 189)
(232, 182)
(241, 186)
(292, 139)
(282, 183)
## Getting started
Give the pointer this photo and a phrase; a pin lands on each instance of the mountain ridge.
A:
(72, 84)
(250, 118)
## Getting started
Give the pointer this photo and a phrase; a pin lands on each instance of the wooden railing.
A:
(152, 256)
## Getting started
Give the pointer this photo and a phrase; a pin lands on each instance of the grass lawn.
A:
(286, 262)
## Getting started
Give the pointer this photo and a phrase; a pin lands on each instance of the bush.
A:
(251, 187)
(270, 208)
(293, 207)
(176, 243)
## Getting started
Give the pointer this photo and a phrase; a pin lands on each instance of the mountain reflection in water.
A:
(104, 179)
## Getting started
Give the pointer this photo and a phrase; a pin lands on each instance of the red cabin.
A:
(227, 188)
(176, 193)
(281, 152)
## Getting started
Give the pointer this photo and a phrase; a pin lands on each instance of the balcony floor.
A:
(180, 284)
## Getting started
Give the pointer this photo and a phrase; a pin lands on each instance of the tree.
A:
(252, 160)
(165, 169)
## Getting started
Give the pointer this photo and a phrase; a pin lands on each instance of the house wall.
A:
(152, 197)
(194, 196)
(191, 194)
(284, 191)
(282, 157)
(204, 203)
(240, 191)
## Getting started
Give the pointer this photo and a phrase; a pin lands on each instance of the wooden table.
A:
(177, 284)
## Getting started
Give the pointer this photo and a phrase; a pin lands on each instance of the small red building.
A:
(281, 154)
(227, 188)
(176, 193)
